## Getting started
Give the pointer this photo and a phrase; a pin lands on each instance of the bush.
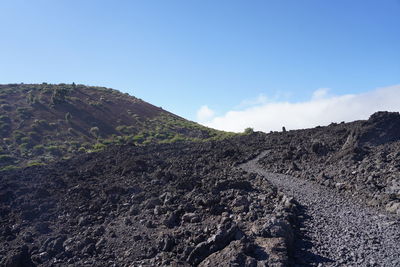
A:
(139, 138)
(24, 113)
(95, 104)
(34, 136)
(24, 147)
(94, 131)
(98, 147)
(5, 129)
(9, 168)
(38, 149)
(18, 135)
(125, 129)
(58, 96)
(7, 159)
(40, 125)
(5, 119)
(248, 130)
(54, 150)
(26, 140)
(35, 163)
(6, 107)
(68, 117)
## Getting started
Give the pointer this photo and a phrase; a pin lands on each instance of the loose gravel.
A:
(336, 229)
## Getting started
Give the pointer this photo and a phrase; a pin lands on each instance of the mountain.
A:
(40, 123)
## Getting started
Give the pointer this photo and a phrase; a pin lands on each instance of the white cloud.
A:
(260, 99)
(320, 93)
(204, 113)
(321, 109)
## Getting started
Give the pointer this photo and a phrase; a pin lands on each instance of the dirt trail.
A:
(336, 230)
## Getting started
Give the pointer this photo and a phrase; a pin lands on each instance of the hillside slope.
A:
(40, 123)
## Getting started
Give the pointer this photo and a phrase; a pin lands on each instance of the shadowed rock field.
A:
(328, 196)
(180, 205)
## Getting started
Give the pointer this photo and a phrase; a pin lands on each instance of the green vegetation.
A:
(248, 130)
(95, 131)
(5, 119)
(7, 159)
(98, 147)
(38, 149)
(9, 168)
(37, 125)
(59, 94)
(24, 113)
(35, 163)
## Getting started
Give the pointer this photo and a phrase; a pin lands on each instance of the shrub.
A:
(24, 113)
(5, 119)
(5, 129)
(18, 135)
(9, 168)
(26, 139)
(38, 149)
(94, 131)
(58, 96)
(24, 147)
(40, 124)
(248, 130)
(71, 131)
(6, 107)
(54, 150)
(4, 159)
(139, 138)
(125, 129)
(30, 99)
(95, 104)
(177, 138)
(34, 136)
(98, 147)
(35, 163)
(68, 117)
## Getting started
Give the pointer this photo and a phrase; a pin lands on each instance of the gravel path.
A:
(336, 230)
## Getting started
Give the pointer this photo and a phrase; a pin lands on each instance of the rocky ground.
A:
(361, 157)
(335, 229)
(177, 205)
(189, 204)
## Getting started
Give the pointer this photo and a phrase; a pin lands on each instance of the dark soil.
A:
(173, 204)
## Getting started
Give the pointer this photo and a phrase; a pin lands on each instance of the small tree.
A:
(68, 117)
(95, 131)
(248, 130)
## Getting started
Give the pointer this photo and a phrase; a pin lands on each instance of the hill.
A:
(40, 123)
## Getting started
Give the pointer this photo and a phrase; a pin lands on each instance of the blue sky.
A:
(184, 54)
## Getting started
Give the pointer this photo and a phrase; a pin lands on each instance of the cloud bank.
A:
(320, 109)
(204, 113)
